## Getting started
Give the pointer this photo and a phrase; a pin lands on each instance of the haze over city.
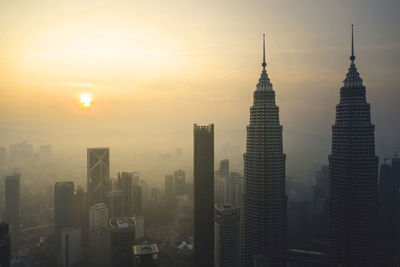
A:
(153, 69)
(151, 127)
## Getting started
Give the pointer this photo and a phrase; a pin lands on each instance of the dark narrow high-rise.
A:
(125, 185)
(388, 207)
(179, 182)
(63, 209)
(264, 198)
(353, 178)
(12, 199)
(5, 246)
(203, 175)
(169, 189)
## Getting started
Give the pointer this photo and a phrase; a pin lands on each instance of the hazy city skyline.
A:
(99, 166)
(155, 69)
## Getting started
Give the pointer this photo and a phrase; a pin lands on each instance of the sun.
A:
(86, 99)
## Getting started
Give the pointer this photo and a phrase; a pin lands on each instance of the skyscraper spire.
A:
(263, 63)
(352, 57)
(353, 77)
(264, 82)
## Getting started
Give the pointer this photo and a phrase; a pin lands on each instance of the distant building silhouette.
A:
(203, 175)
(3, 156)
(115, 203)
(63, 210)
(224, 168)
(298, 224)
(353, 178)
(125, 185)
(12, 188)
(5, 246)
(221, 192)
(45, 151)
(179, 182)
(388, 206)
(122, 239)
(20, 152)
(235, 187)
(264, 198)
(137, 199)
(81, 214)
(169, 189)
(227, 235)
(137, 194)
(98, 172)
(319, 206)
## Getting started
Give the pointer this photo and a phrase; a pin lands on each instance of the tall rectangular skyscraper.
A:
(264, 197)
(179, 182)
(98, 174)
(203, 195)
(63, 209)
(169, 189)
(5, 246)
(353, 178)
(12, 199)
(388, 206)
(99, 235)
(125, 185)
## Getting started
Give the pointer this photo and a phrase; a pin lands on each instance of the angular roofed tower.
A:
(353, 178)
(264, 200)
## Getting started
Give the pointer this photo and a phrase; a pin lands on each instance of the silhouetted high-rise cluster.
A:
(235, 220)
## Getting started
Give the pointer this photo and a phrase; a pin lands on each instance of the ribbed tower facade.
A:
(353, 178)
(264, 198)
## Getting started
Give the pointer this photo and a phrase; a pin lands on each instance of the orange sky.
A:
(154, 68)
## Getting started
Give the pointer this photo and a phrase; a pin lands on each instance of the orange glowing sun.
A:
(86, 99)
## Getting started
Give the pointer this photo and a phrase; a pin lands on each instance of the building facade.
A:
(99, 235)
(388, 207)
(71, 249)
(203, 195)
(63, 209)
(353, 178)
(5, 246)
(227, 235)
(122, 232)
(12, 184)
(115, 203)
(169, 189)
(264, 197)
(125, 185)
(179, 182)
(98, 174)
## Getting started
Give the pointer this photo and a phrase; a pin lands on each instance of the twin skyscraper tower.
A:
(353, 182)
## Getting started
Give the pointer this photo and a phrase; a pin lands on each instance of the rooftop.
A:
(122, 222)
(145, 249)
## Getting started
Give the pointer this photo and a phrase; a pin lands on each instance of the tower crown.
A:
(264, 83)
(352, 77)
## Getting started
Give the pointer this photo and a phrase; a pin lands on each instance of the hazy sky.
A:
(156, 67)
